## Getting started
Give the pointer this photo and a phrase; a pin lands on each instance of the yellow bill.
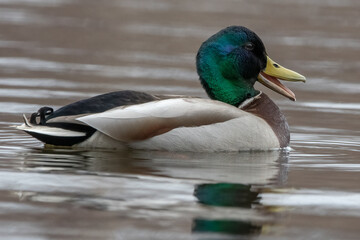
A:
(271, 75)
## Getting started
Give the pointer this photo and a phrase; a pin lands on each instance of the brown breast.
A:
(265, 108)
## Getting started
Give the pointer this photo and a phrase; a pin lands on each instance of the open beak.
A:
(271, 75)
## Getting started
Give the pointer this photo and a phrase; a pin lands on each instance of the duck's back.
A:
(103, 103)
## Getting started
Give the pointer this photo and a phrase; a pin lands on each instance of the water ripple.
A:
(29, 64)
(305, 200)
(36, 3)
(28, 17)
(41, 93)
(326, 85)
(317, 41)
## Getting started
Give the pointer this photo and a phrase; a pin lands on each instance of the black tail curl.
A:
(41, 113)
(81, 132)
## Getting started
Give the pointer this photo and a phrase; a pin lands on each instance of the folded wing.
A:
(142, 121)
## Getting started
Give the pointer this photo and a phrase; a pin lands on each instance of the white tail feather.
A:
(50, 131)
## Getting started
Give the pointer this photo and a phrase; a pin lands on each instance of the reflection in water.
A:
(151, 185)
(226, 194)
(140, 186)
(226, 227)
(61, 160)
(245, 168)
(83, 161)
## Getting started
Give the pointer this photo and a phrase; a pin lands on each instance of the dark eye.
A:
(249, 46)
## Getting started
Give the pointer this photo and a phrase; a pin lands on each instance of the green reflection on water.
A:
(226, 226)
(226, 194)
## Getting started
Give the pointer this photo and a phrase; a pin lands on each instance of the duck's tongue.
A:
(274, 84)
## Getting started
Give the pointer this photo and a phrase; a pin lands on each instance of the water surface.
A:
(54, 52)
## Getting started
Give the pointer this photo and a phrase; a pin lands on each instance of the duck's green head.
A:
(231, 61)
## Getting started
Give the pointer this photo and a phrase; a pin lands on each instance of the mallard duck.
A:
(237, 117)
